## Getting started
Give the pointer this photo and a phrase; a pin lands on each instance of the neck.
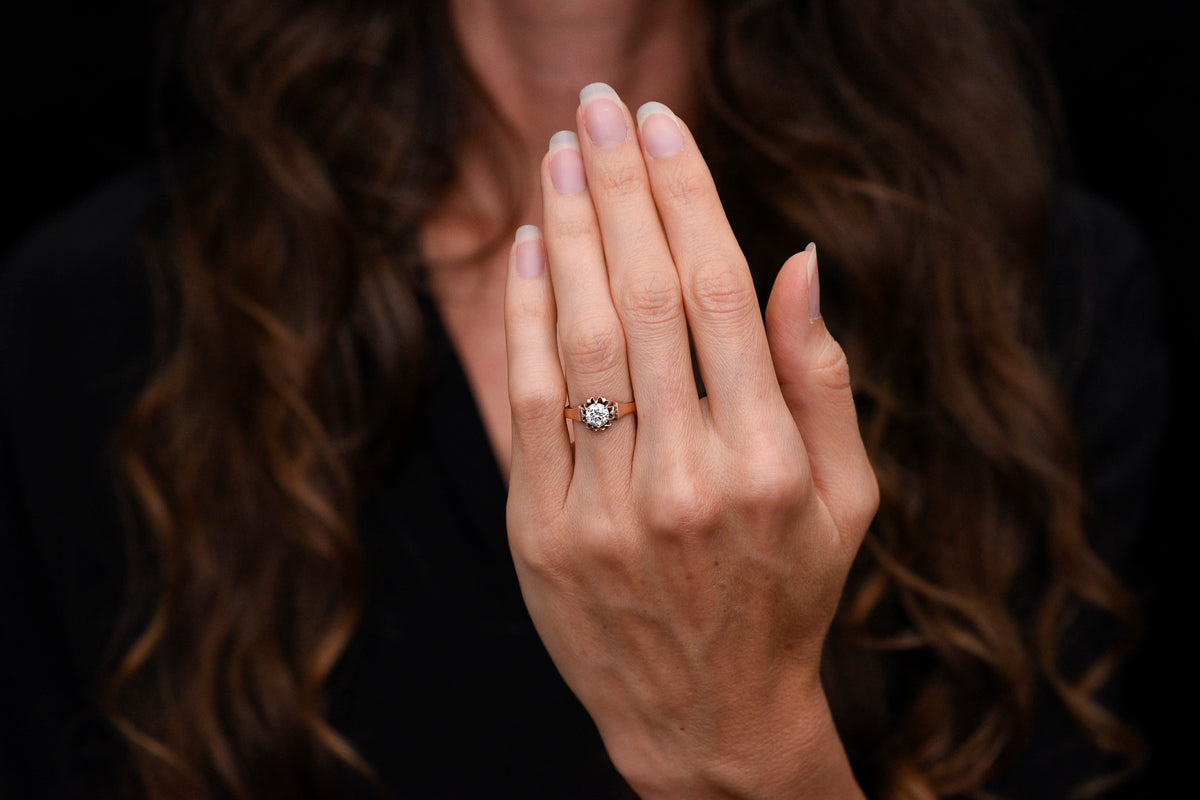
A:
(531, 58)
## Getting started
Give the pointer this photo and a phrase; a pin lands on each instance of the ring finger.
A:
(589, 331)
(642, 274)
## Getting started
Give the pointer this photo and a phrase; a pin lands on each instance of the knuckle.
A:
(603, 539)
(867, 503)
(686, 187)
(773, 478)
(535, 539)
(531, 404)
(547, 557)
(679, 504)
(605, 548)
(571, 230)
(594, 346)
(717, 287)
(526, 308)
(650, 295)
(830, 368)
(621, 179)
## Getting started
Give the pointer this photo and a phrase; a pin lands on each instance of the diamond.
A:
(598, 413)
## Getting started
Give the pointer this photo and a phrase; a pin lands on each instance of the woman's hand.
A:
(682, 566)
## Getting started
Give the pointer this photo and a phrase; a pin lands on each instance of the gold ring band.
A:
(598, 413)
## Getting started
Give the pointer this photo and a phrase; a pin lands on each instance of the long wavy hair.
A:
(907, 137)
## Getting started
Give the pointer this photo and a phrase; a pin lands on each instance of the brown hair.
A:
(900, 136)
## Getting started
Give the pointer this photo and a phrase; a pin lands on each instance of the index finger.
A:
(718, 291)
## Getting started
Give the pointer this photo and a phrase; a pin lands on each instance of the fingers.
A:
(815, 381)
(542, 461)
(644, 283)
(590, 335)
(718, 292)
(640, 252)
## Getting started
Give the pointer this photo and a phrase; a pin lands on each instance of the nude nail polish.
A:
(659, 129)
(566, 164)
(814, 284)
(528, 256)
(602, 115)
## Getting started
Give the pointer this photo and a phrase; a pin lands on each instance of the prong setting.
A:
(597, 413)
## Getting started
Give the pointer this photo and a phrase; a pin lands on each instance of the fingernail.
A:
(659, 129)
(602, 114)
(528, 253)
(566, 165)
(814, 284)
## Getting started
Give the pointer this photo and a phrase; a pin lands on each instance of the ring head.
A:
(597, 413)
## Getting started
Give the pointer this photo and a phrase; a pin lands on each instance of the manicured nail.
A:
(566, 165)
(602, 114)
(659, 128)
(528, 254)
(814, 284)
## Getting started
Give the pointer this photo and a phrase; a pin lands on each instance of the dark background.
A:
(79, 82)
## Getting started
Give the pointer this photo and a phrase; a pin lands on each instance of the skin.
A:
(532, 57)
(683, 566)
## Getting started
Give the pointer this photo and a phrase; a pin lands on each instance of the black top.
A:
(446, 687)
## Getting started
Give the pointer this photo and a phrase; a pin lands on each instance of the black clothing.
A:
(446, 687)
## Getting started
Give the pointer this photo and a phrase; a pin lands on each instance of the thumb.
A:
(815, 380)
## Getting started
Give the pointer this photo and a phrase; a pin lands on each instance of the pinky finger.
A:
(542, 460)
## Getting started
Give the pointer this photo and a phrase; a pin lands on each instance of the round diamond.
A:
(597, 414)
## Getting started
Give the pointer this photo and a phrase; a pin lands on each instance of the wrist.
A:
(792, 754)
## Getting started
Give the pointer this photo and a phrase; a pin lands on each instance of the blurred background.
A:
(87, 96)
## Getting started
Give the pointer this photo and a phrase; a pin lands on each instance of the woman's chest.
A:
(471, 307)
